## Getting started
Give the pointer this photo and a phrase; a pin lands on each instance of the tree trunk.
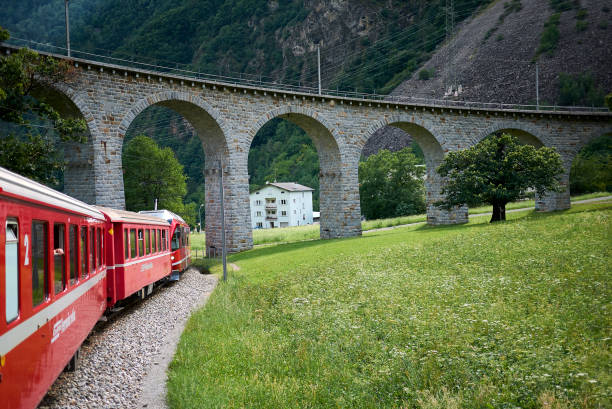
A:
(499, 212)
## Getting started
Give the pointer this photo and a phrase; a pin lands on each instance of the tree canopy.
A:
(391, 184)
(28, 147)
(497, 171)
(150, 173)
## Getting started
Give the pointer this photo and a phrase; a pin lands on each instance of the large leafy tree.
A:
(497, 171)
(32, 126)
(391, 184)
(150, 173)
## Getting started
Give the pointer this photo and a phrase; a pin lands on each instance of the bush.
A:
(550, 35)
(425, 74)
(579, 90)
(581, 25)
(592, 169)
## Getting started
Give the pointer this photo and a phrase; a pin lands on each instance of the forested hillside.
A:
(366, 45)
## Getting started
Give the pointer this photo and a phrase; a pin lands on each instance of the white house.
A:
(281, 205)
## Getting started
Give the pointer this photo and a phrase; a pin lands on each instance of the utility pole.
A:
(67, 28)
(224, 252)
(450, 28)
(319, 65)
(537, 86)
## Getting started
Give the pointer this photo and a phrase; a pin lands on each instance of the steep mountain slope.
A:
(501, 67)
(493, 55)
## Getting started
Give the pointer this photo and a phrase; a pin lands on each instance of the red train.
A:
(179, 231)
(63, 263)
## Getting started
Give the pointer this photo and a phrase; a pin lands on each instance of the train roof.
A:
(124, 216)
(29, 190)
(164, 214)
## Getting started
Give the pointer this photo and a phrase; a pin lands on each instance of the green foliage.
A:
(391, 184)
(592, 169)
(497, 171)
(150, 173)
(282, 152)
(608, 101)
(32, 155)
(470, 317)
(30, 148)
(579, 89)
(550, 35)
(426, 74)
(564, 5)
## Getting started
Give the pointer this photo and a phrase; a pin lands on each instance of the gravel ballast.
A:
(123, 363)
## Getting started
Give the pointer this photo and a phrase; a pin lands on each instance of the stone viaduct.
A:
(227, 116)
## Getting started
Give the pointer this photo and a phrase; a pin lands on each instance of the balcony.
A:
(270, 205)
(271, 217)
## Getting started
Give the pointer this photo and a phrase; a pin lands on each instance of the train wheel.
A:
(73, 365)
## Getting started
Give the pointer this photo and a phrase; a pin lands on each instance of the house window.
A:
(259, 224)
(259, 213)
(294, 212)
(293, 200)
(258, 202)
(303, 217)
(283, 201)
(283, 213)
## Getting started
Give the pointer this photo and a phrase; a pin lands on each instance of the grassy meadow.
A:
(514, 314)
(311, 232)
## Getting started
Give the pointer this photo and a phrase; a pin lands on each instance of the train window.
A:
(92, 250)
(100, 246)
(11, 254)
(148, 241)
(59, 257)
(163, 235)
(83, 251)
(159, 245)
(176, 239)
(72, 242)
(154, 240)
(140, 243)
(40, 266)
(133, 243)
(126, 244)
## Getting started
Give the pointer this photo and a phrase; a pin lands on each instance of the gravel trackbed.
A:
(123, 363)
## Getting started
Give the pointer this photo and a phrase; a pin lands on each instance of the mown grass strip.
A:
(514, 314)
(311, 232)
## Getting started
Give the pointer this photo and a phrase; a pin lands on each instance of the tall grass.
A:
(506, 315)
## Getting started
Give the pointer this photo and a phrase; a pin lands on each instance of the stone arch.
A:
(525, 132)
(330, 150)
(315, 125)
(212, 131)
(201, 115)
(418, 129)
(79, 174)
(434, 149)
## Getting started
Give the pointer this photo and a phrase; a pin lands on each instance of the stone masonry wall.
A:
(227, 117)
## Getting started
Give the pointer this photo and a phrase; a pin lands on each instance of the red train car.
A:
(52, 285)
(179, 245)
(139, 256)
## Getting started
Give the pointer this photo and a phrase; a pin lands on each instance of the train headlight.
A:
(171, 258)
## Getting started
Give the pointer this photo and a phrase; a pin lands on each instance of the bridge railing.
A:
(268, 84)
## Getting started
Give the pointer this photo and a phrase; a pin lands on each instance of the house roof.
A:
(291, 187)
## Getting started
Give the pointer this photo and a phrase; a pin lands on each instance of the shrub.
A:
(581, 25)
(425, 74)
(550, 35)
(579, 90)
